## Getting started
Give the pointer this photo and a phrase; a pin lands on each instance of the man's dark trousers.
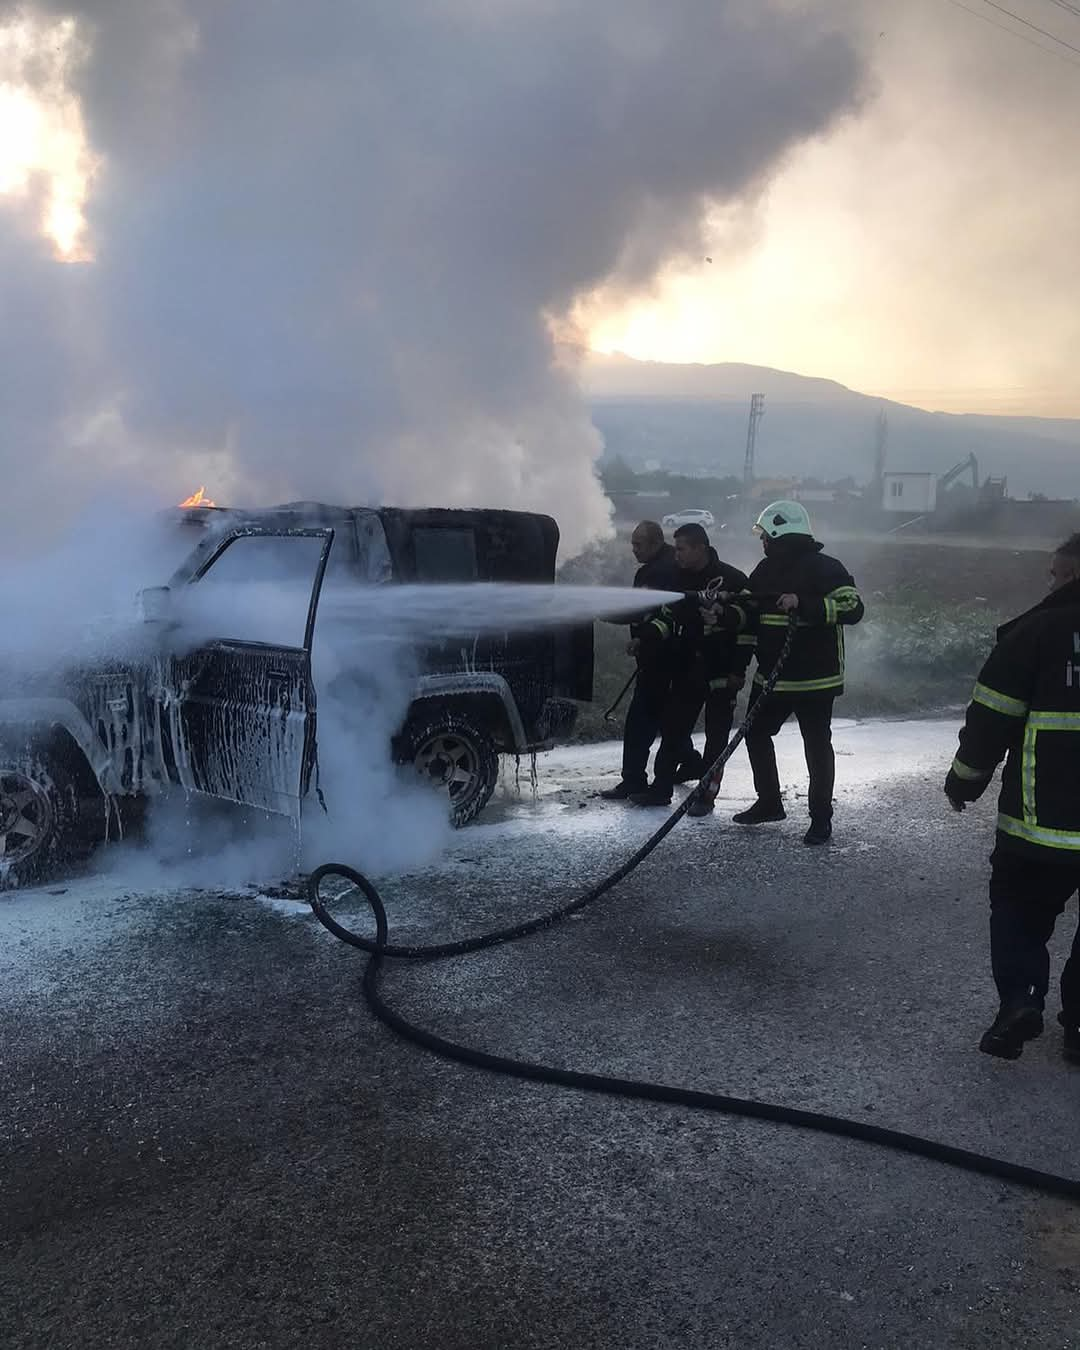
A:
(645, 718)
(814, 714)
(689, 691)
(643, 722)
(1026, 899)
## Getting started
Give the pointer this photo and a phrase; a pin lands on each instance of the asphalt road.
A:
(207, 1142)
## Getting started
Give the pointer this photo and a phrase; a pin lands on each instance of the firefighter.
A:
(794, 577)
(702, 667)
(1026, 710)
(657, 571)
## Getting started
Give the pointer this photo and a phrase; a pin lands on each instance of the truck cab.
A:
(233, 715)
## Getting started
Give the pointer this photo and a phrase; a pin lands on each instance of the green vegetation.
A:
(715, 494)
(916, 660)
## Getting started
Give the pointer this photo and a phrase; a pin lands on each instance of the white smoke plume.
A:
(332, 241)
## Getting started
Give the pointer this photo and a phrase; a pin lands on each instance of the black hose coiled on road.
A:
(380, 949)
(500, 936)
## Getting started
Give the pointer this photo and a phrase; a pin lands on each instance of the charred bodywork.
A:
(235, 718)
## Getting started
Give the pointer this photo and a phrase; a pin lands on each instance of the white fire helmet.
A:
(780, 518)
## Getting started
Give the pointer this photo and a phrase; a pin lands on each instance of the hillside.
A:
(692, 418)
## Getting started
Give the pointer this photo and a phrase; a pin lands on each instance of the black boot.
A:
(820, 832)
(652, 796)
(1014, 1024)
(1071, 1048)
(691, 769)
(760, 813)
(620, 792)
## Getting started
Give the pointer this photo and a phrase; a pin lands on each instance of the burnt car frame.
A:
(235, 719)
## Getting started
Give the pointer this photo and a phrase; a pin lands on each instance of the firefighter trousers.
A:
(1026, 899)
(814, 715)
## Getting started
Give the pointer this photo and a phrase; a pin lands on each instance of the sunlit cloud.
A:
(46, 163)
(924, 250)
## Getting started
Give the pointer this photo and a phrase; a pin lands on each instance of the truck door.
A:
(238, 708)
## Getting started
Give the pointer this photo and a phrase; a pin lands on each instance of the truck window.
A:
(257, 590)
(276, 557)
(444, 554)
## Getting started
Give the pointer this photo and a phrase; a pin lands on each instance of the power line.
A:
(1027, 23)
(1067, 7)
(1051, 51)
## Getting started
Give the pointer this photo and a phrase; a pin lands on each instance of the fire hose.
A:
(380, 949)
(609, 716)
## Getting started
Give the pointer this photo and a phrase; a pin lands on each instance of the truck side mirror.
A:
(155, 604)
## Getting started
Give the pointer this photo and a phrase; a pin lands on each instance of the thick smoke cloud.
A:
(331, 240)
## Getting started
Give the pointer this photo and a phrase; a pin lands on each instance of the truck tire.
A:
(40, 812)
(451, 753)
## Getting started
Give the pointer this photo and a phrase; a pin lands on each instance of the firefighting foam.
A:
(256, 611)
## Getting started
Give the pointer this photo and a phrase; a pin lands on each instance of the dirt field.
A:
(961, 573)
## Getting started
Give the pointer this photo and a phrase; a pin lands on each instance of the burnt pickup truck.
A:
(84, 748)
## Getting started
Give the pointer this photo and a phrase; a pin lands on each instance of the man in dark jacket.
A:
(1026, 710)
(702, 667)
(795, 578)
(657, 571)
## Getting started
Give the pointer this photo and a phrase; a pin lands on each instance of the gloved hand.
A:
(960, 791)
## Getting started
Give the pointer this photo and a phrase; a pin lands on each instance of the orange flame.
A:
(198, 499)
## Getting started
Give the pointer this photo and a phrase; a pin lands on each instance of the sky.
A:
(925, 249)
(335, 250)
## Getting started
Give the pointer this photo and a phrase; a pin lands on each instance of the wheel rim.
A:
(25, 816)
(449, 762)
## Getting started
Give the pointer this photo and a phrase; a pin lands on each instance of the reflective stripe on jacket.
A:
(1025, 709)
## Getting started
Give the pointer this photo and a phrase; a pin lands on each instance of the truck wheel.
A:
(453, 754)
(39, 816)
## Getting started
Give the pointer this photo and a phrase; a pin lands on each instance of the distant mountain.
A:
(692, 418)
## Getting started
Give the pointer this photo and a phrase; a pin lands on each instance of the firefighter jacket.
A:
(1026, 710)
(828, 601)
(682, 626)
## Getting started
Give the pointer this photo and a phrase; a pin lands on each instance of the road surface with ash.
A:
(207, 1142)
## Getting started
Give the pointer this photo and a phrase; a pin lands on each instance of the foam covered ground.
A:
(207, 1140)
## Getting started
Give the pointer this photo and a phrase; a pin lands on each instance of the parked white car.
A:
(691, 516)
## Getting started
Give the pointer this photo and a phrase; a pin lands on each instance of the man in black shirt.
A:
(657, 571)
(702, 666)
